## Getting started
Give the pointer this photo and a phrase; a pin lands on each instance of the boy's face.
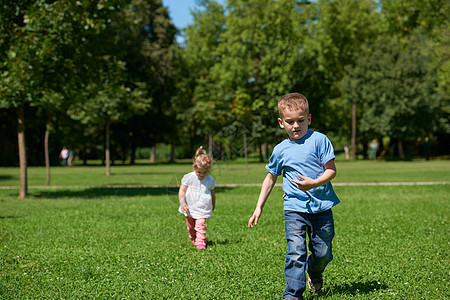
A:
(295, 123)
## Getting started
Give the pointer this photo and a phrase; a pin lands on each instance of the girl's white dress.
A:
(198, 195)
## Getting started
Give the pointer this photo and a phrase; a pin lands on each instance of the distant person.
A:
(69, 160)
(197, 198)
(426, 148)
(64, 155)
(306, 161)
(373, 149)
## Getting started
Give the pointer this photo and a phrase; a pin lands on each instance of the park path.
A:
(228, 185)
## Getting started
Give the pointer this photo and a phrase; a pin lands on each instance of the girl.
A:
(197, 198)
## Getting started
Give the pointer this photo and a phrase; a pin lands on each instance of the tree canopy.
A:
(113, 74)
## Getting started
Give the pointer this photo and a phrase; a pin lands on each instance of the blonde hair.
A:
(293, 102)
(202, 160)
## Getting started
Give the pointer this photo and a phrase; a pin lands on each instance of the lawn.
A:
(99, 241)
(163, 174)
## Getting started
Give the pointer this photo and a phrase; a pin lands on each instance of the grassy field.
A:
(105, 240)
(224, 172)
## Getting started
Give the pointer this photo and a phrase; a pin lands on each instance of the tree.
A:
(16, 78)
(37, 41)
(257, 57)
(405, 17)
(107, 103)
(394, 85)
(338, 31)
(144, 39)
(199, 103)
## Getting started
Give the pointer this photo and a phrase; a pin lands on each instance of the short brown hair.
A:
(293, 102)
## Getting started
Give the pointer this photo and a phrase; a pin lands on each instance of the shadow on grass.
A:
(6, 177)
(358, 288)
(223, 242)
(100, 192)
(9, 217)
(117, 164)
(144, 173)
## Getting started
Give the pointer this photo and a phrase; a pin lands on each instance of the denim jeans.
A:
(320, 230)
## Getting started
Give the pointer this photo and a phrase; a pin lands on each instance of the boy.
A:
(306, 161)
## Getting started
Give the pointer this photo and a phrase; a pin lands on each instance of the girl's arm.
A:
(309, 183)
(266, 188)
(182, 198)
(213, 196)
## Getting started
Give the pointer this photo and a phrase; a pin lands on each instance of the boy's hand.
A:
(306, 183)
(255, 218)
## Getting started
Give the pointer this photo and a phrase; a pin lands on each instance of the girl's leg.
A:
(190, 223)
(200, 230)
(320, 234)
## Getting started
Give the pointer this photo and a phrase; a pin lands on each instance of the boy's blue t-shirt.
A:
(307, 157)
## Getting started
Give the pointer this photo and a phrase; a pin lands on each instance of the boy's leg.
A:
(294, 271)
(200, 230)
(321, 235)
(190, 223)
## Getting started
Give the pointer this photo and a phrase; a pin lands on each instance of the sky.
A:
(179, 11)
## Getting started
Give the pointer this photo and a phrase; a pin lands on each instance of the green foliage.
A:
(337, 33)
(109, 104)
(394, 84)
(259, 48)
(235, 62)
(201, 106)
(404, 17)
(41, 47)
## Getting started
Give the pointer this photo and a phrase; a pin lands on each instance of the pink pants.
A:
(197, 231)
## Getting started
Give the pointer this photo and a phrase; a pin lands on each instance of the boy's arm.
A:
(266, 188)
(213, 196)
(309, 183)
(182, 198)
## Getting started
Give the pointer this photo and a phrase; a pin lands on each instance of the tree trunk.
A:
(266, 151)
(22, 153)
(123, 152)
(380, 146)
(153, 154)
(354, 130)
(365, 147)
(172, 153)
(210, 144)
(401, 152)
(245, 152)
(107, 150)
(222, 153)
(133, 151)
(261, 152)
(84, 155)
(46, 154)
(191, 146)
(347, 156)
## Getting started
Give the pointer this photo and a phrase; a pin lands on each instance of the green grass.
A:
(224, 172)
(100, 243)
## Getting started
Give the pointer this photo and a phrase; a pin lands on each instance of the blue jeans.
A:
(320, 230)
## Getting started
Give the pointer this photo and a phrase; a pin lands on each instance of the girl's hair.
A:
(201, 159)
(293, 102)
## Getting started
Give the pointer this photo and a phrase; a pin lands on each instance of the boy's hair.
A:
(202, 159)
(293, 102)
